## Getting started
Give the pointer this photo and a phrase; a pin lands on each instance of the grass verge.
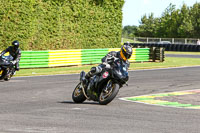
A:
(169, 62)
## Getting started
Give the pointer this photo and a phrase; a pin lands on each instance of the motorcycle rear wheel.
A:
(107, 97)
(77, 95)
(7, 78)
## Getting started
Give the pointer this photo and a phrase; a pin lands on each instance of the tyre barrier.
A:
(157, 54)
(169, 47)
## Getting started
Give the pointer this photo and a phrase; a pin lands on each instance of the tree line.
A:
(173, 23)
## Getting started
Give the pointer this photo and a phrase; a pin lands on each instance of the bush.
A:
(61, 24)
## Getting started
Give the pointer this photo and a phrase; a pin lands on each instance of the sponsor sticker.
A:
(105, 75)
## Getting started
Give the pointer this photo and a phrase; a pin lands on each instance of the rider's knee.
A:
(95, 70)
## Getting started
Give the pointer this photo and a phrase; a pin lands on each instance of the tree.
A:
(173, 23)
(147, 26)
(186, 27)
(195, 19)
(129, 31)
(169, 22)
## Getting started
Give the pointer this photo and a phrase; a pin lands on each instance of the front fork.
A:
(83, 89)
(82, 79)
(109, 84)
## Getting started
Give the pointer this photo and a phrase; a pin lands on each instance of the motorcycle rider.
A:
(15, 52)
(123, 55)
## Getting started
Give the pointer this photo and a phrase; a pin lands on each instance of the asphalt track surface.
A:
(44, 105)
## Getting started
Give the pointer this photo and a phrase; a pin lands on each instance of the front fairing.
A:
(120, 71)
(6, 60)
(100, 79)
(118, 74)
(97, 83)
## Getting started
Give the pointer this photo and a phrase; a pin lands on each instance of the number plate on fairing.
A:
(105, 75)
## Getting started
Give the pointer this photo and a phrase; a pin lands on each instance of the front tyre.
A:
(8, 75)
(3, 73)
(110, 93)
(77, 95)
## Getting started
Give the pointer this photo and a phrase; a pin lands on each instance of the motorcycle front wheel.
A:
(2, 74)
(9, 74)
(110, 93)
(77, 95)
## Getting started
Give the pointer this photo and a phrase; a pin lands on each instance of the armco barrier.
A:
(141, 54)
(53, 58)
(33, 59)
(93, 56)
(64, 57)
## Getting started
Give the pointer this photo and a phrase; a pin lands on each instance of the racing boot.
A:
(91, 73)
(88, 76)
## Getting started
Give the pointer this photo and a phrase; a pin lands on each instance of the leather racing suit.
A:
(16, 54)
(106, 63)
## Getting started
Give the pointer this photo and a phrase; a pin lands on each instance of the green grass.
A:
(53, 71)
(169, 62)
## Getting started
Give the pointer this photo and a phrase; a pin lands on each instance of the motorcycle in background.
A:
(6, 67)
(102, 87)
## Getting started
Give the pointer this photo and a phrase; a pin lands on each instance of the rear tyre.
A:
(7, 78)
(77, 95)
(109, 95)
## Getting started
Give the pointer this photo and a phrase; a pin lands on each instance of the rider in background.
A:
(15, 52)
(123, 55)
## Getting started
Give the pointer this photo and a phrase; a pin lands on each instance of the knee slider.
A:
(98, 69)
(93, 70)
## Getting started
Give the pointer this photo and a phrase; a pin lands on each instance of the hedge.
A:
(61, 24)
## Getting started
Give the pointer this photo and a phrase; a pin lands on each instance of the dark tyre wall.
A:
(170, 47)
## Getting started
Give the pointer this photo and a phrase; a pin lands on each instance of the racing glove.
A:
(14, 62)
(106, 65)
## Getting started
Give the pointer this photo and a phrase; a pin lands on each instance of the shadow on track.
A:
(71, 102)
